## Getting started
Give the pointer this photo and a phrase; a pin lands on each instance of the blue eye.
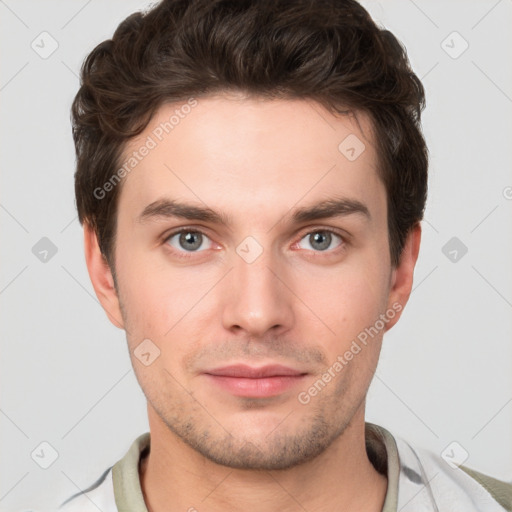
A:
(188, 240)
(321, 240)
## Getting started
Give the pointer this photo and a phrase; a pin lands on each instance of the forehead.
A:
(226, 149)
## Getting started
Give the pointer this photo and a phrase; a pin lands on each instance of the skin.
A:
(255, 161)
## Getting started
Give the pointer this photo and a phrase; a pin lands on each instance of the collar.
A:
(380, 444)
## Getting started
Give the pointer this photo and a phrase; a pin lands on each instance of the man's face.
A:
(259, 286)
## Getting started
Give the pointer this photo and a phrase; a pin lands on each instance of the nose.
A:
(256, 300)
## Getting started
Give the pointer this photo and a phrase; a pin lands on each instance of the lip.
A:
(255, 382)
(250, 372)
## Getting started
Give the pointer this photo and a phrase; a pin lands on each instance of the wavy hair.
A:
(330, 51)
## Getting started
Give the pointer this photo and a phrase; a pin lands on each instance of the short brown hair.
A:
(329, 51)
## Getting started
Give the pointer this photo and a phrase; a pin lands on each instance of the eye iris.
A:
(189, 237)
(322, 238)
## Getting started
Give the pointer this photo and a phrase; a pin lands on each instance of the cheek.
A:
(161, 301)
(347, 298)
(144, 296)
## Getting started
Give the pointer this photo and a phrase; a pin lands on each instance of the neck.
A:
(174, 477)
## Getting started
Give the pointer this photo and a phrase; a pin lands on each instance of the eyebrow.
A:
(329, 208)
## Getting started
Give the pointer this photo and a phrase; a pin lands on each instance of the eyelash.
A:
(188, 254)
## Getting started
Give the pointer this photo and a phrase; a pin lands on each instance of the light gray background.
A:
(445, 370)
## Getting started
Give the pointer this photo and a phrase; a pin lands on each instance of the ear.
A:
(101, 277)
(402, 275)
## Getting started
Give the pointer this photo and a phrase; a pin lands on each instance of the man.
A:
(251, 177)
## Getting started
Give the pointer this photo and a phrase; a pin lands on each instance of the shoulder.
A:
(501, 491)
(118, 488)
(98, 496)
(427, 479)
